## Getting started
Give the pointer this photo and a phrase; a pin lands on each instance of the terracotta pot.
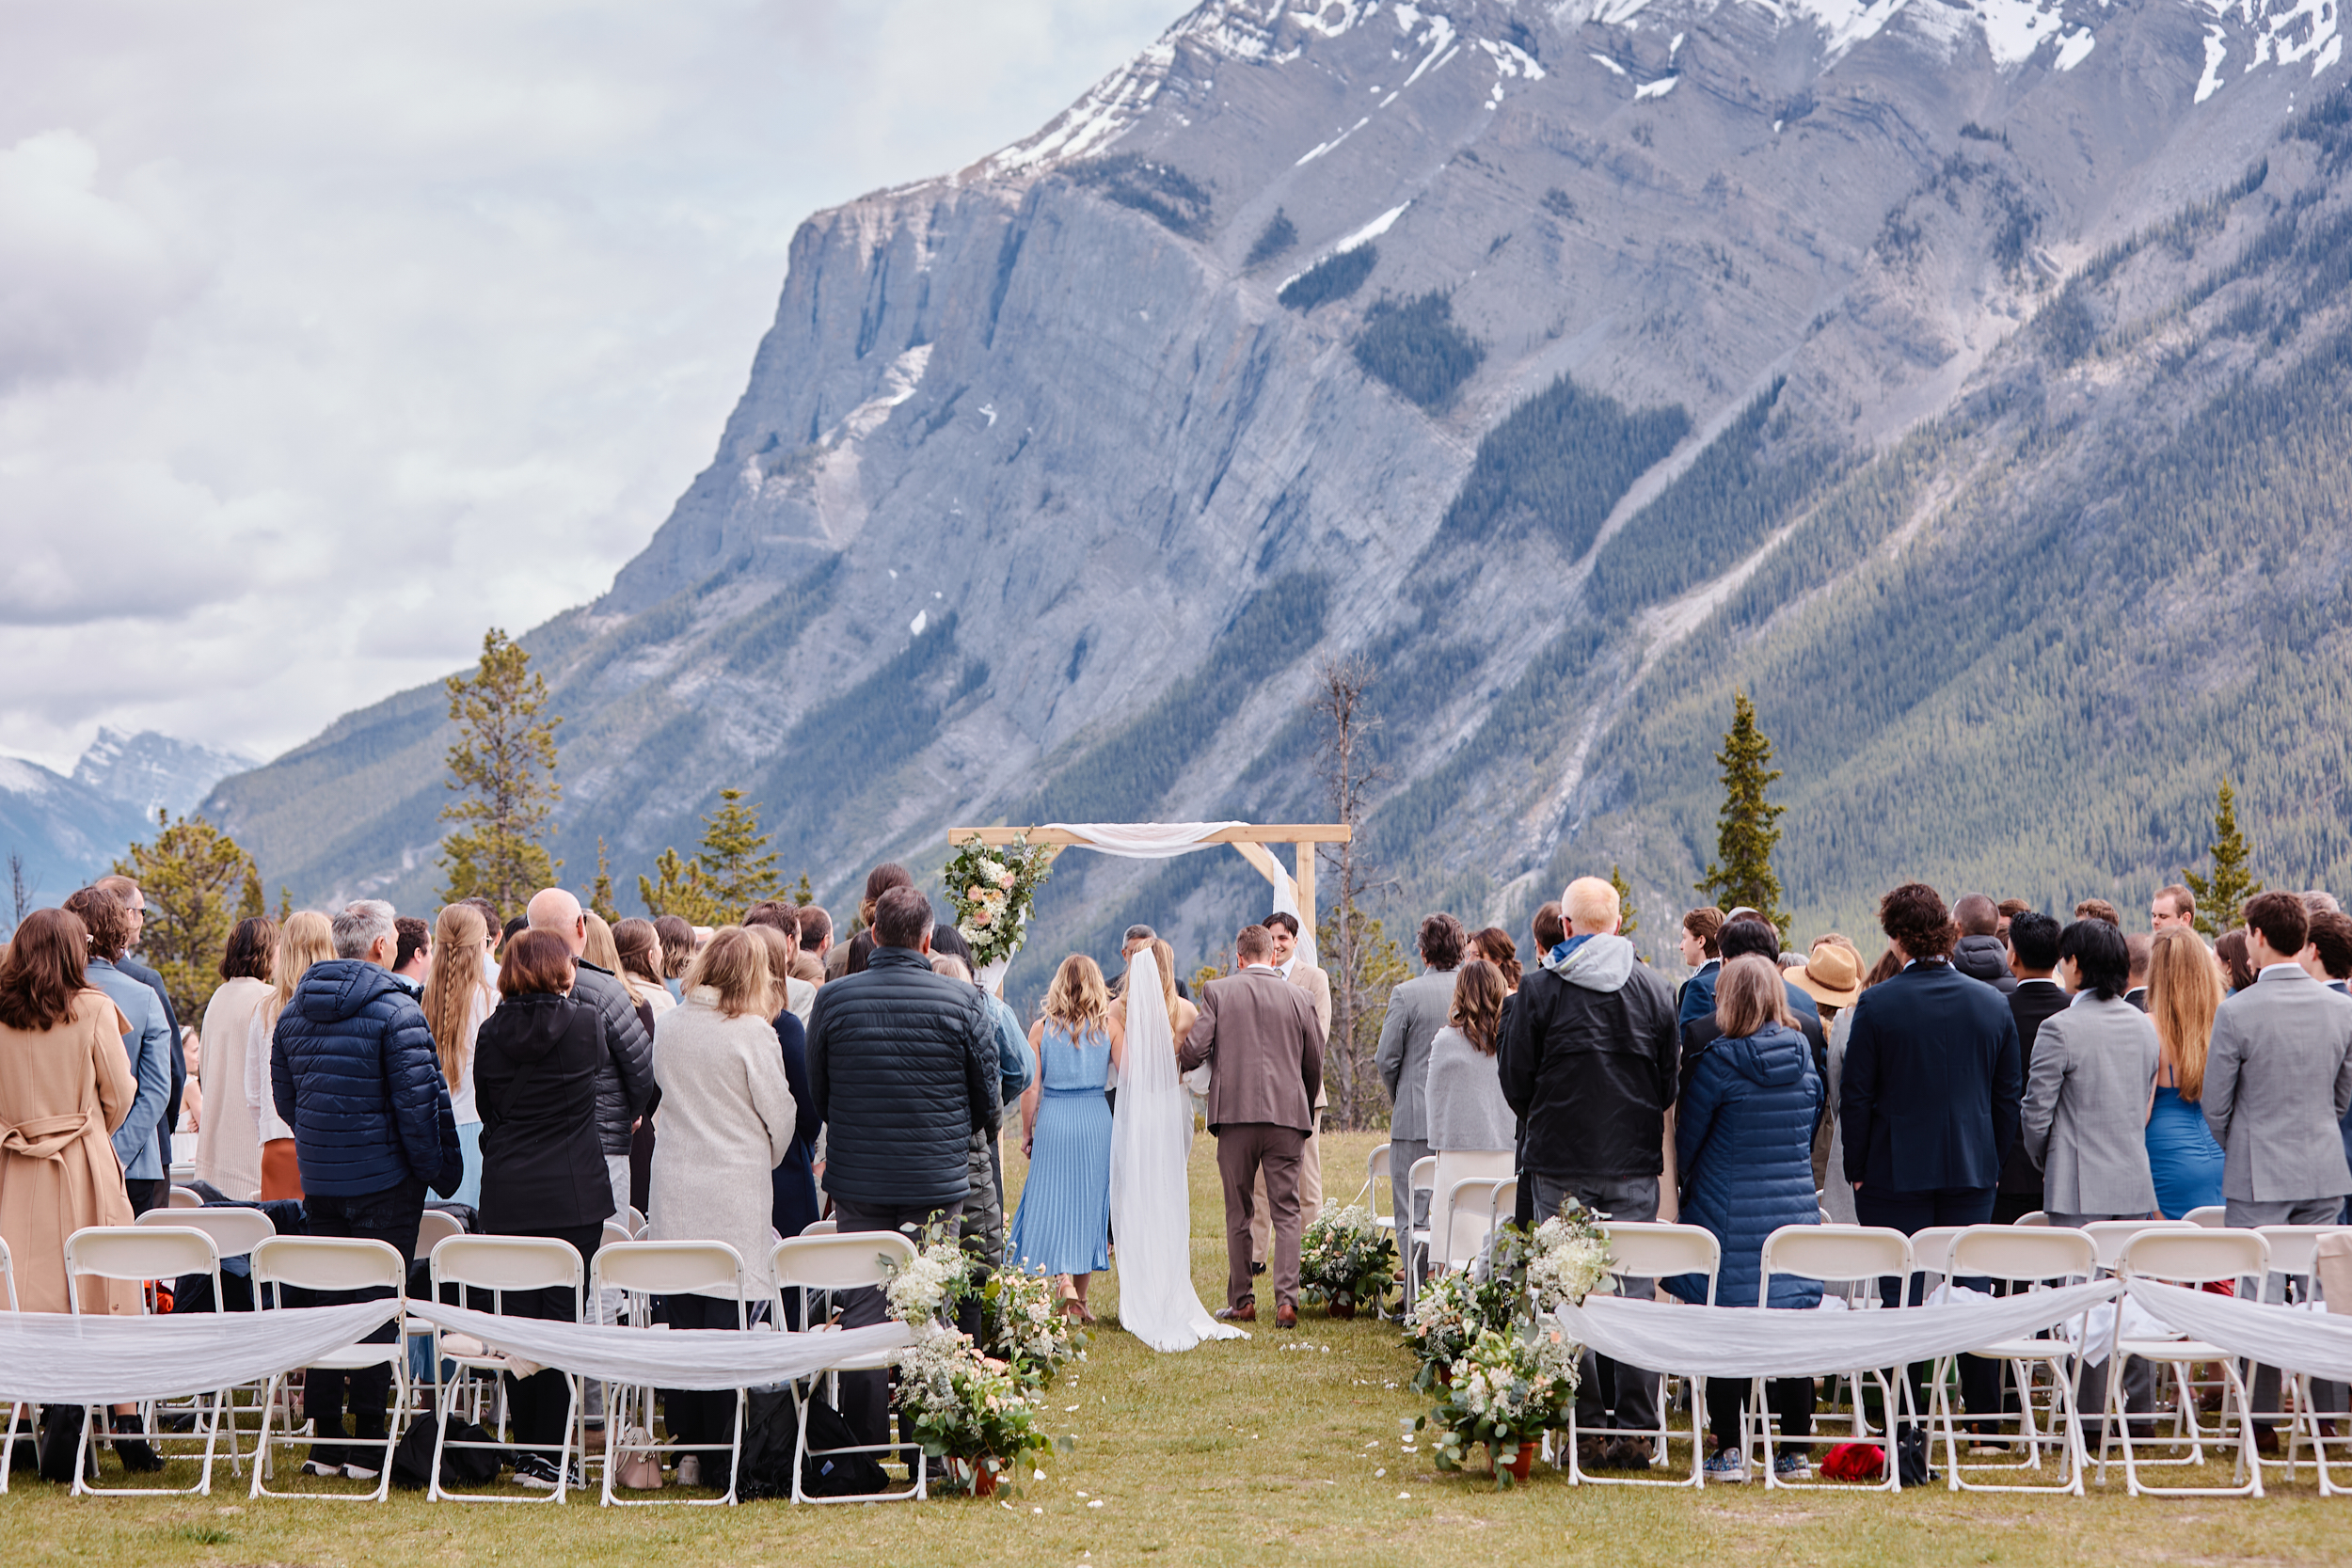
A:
(983, 1474)
(1520, 1467)
(1342, 1305)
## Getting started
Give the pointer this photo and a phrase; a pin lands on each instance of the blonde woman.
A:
(1064, 1224)
(601, 950)
(2184, 993)
(639, 946)
(458, 995)
(308, 938)
(727, 1121)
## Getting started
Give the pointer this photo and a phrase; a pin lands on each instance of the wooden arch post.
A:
(1252, 841)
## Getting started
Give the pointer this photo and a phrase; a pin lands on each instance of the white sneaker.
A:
(690, 1470)
(360, 1472)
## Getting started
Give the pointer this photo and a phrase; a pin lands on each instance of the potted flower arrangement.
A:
(967, 1410)
(1021, 1321)
(1348, 1259)
(990, 892)
(1447, 1315)
(1508, 1389)
(927, 1287)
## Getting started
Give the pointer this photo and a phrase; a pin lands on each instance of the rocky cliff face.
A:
(1573, 363)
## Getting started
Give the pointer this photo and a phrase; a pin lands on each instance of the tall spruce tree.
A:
(1749, 826)
(600, 890)
(677, 888)
(504, 771)
(737, 865)
(191, 875)
(2223, 894)
(1628, 919)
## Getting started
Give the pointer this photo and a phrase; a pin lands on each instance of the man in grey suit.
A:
(1259, 1031)
(2277, 1083)
(1417, 1011)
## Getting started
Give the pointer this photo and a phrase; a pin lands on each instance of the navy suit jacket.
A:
(1933, 1083)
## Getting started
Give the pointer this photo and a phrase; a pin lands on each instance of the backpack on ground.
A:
(412, 1457)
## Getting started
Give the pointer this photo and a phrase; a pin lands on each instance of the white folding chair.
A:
(2029, 1256)
(499, 1264)
(822, 1228)
(1833, 1254)
(1647, 1249)
(2036, 1217)
(1930, 1254)
(2212, 1216)
(235, 1232)
(141, 1253)
(16, 1409)
(2328, 1251)
(643, 1270)
(1413, 1240)
(821, 1265)
(336, 1263)
(2186, 1254)
(436, 1227)
(182, 1197)
(634, 1220)
(2294, 1264)
(1458, 1225)
(2111, 1236)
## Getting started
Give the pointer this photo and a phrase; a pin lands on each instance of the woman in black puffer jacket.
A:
(543, 1168)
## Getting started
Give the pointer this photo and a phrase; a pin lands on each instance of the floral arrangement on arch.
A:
(990, 892)
(1021, 1321)
(1347, 1257)
(1507, 1389)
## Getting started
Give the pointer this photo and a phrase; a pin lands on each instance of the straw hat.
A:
(1832, 976)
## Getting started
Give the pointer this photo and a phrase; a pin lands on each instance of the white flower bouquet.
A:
(990, 892)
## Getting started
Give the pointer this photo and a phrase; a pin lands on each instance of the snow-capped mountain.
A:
(1962, 380)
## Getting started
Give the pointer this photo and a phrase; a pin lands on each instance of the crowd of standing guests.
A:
(1991, 1063)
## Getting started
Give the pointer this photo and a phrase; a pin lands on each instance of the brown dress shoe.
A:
(1247, 1312)
(1286, 1316)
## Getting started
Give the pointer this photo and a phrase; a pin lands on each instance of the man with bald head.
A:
(625, 1079)
(1588, 1061)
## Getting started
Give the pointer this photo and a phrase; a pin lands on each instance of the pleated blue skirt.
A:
(1063, 1225)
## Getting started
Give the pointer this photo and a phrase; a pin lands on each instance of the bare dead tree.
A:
(1364, 964)
(20, 891)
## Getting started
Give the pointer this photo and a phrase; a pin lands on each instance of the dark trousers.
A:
(865, 1396)
(702, 1415)
(389, 1216)
(1789, 1397)
(146, 1195)
(537, 1406)
(1244, 1148)
(1912, 1213)
(1610, 1394)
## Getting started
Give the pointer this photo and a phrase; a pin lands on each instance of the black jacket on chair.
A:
(2032, 1003)
(536, 1064)
(1932, 1091)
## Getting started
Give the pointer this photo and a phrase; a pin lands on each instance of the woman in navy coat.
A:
(1744, 1141)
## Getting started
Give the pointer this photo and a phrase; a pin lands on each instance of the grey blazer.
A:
(2085, 1119)
(1417, 1011)
(2278, 1081)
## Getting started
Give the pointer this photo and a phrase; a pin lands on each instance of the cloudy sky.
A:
(332, 333)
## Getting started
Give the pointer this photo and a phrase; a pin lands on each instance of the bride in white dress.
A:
(1151, 1201)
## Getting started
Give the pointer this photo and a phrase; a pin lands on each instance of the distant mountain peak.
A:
(152, 771)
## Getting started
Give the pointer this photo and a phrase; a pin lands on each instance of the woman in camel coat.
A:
(65, 1087)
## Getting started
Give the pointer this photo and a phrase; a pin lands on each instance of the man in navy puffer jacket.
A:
(353, 1071)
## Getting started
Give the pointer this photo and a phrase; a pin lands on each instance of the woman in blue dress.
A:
(2184, 993)
(1063, 1226)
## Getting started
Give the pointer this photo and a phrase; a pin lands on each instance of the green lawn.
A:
(1281, 1449)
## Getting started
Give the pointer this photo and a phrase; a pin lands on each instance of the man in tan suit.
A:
(1259, 1031)
(1281, 927)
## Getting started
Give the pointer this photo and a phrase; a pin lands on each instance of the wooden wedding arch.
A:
(1252, 841)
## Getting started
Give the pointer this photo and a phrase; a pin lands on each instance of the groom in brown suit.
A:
(1260, 1032)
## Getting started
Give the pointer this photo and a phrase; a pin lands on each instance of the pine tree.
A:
(1628, 921)
(678, 891)
(734, 869)
(190, 877)
(601, 893)
(252, 904)
(504, 771)
(804, 896)
(285, 904)
(1749, 826)
(2222, 895)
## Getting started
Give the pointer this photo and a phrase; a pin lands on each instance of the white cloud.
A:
(330, 335)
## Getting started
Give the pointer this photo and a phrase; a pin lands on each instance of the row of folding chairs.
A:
(175, 1243)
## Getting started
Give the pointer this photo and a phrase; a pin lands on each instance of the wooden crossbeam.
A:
(1293, 832)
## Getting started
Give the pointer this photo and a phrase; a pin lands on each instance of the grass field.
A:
(1284, 1449)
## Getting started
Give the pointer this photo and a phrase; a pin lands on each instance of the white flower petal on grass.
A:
(1404, 1496)
(1382, 1471)
(1096, 1503)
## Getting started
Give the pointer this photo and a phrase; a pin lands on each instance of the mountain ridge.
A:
(1029, 449)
